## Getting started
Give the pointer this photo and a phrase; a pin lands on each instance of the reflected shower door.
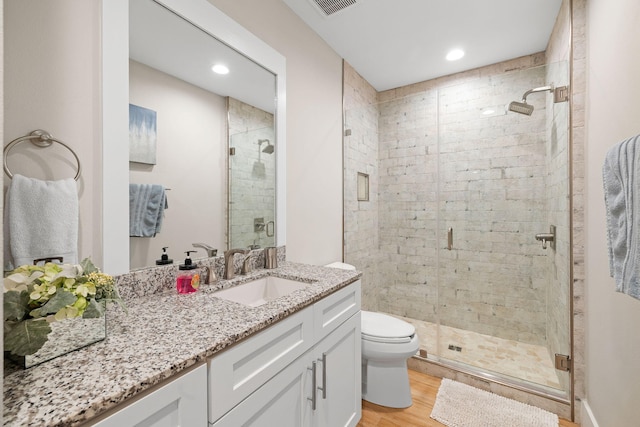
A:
(252, 189)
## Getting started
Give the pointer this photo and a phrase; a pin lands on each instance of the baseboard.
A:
(586, 416)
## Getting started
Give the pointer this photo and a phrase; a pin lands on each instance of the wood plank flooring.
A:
(424, 389)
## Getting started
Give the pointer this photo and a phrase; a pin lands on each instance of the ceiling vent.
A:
(330, 7)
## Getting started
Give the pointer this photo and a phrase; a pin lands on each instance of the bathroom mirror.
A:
(201, 28)
(171, 72)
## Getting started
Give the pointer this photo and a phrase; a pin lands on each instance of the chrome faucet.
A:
(211, 275)
(211, 251)
(229, 271)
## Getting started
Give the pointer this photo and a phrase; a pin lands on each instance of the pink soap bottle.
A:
(188, 281)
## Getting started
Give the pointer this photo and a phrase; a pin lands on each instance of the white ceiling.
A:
(393, 43)
(164, 41)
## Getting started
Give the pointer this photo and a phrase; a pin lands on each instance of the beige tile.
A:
(528, 362)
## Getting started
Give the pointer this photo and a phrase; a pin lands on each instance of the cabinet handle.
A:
(313, 385)
(324, 375)
(450, 238)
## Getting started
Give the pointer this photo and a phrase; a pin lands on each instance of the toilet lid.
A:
(341, 265)
(384, 328)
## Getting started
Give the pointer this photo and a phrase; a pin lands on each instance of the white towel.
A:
(621, 179)
(147, 203)
(41, 221)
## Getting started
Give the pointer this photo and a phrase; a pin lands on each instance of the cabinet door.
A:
(284, 401)
(180, 402)
(339, 376)
(240, 370)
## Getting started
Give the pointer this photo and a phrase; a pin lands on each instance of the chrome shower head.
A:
(521, 107)
(269, 148)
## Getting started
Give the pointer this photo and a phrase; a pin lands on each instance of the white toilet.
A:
(387, 343)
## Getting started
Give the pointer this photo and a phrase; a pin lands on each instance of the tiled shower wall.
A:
(361, 231)
(252, 174)
(408, 137)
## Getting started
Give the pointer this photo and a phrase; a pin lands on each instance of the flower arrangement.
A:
(35, 296)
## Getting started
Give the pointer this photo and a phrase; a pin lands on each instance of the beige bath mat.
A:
(460, 405)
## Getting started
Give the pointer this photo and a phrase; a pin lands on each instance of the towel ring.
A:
(39, 138)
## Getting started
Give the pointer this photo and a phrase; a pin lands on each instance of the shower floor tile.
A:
(524, 361)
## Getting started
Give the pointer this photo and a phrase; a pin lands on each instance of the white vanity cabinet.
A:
(179, 402)
(339, 372)
(250, 385)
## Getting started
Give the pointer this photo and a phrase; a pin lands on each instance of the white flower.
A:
(19, 281)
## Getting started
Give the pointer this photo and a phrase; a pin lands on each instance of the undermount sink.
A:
(261, 291)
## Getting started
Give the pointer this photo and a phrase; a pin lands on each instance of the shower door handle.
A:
(450, 238)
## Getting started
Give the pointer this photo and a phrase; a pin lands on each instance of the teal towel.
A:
(147, 203)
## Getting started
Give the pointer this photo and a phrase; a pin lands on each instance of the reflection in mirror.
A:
(252, 170)
(170, 73)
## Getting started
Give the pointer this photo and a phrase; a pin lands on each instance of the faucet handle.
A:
(211, 275)
(246, 265)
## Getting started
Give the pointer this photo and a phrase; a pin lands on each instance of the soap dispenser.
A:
(186, 282)
(164, 259)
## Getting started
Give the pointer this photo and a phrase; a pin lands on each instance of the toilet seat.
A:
(382, 328)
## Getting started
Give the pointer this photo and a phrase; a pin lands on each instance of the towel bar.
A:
(41, 139)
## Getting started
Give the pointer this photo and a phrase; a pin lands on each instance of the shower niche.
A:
(460, 187)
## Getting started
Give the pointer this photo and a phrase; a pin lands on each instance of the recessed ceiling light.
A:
(220, 69)
(455, 54)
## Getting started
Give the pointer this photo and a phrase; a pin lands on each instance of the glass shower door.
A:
(503, 177)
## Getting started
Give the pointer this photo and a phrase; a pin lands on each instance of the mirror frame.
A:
(115, 114)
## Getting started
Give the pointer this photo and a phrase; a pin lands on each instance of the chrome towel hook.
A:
(39, 138)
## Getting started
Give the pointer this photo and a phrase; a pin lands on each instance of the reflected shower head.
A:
(269, 148)
(523, 107)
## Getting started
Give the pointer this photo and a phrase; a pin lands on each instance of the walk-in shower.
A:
(447, 239)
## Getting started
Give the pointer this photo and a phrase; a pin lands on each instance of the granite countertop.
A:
(162, 335)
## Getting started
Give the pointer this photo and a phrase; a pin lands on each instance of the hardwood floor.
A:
(424, 389)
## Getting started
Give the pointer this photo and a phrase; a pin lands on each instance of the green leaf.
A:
(60, 300)
(94, 310)
(88, 266)
(27, 337)
(15, 305)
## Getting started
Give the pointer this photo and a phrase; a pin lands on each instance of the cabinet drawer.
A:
(240, 370)
(332, 311)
